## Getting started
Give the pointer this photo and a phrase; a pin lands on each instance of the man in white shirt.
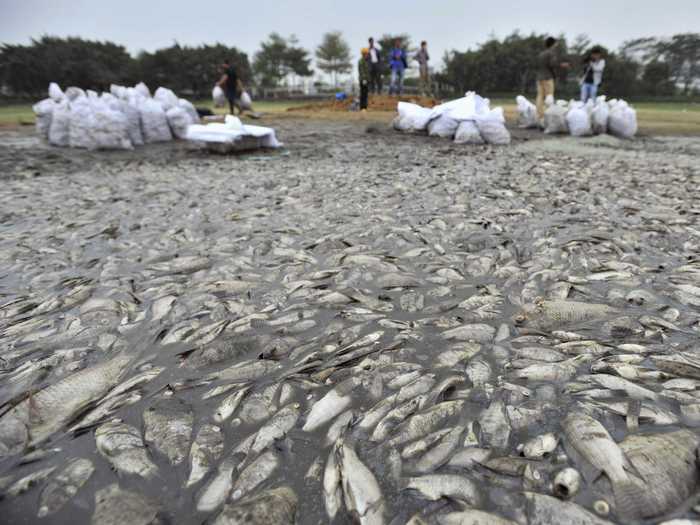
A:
(375, 67)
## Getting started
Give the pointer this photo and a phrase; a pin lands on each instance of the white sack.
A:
(133, 120)
(468, 133)
(465, 108)
(110, 128)
(59, 131)
(527, 113)
(555, 117)
(231, 132)
(44, 113)
(600, 116)
(246, 102)
(166, 97)
(55, 92)
(74, 93)
(411, 117)
(578, 120)
(191, 110)
(82, 124)
(118, 91)
(218, 97)
(142, 89)
(154, 122)
(623, 120)
(179, 120)
(492, 127)
(443, 126)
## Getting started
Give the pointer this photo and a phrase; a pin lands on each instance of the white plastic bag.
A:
(191, 110)
(555, 117)
(59, 131)
(166, 97)
(44, 114)
(218, 97)
(82, 124)
(623, 120)
(600, 116)
(74, 93)
(246, 102)
(468, 133)
(179, 120)
(154, 122)
(142, 89)
(411, 117)
(527, 113)
(133, 120)
(110, 128)
(492, 127)
(578, 119)
(55, 92)
(118, 91)
(443, 126)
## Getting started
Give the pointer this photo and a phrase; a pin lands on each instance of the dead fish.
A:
(362, 495)
(114, 506)
(271, 507)
(207, 448)
(436, 486)
(122, 446)
(168, 427)
(548, 315)
(544, 510)
(254, 474)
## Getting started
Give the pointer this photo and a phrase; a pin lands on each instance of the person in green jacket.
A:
(363, 74)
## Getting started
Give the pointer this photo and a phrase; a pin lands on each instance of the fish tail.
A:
(630, 500)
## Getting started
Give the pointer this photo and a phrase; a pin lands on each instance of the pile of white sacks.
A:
(121, 119)
(467, 120)
(580, 120)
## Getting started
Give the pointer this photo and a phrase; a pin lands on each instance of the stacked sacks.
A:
(469, 120)
(121, 119)
(527, 113)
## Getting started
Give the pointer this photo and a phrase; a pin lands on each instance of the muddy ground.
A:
(588, 216)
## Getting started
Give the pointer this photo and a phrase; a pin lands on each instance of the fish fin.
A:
(630, 500)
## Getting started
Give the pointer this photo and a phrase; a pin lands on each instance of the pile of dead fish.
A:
(500, 347)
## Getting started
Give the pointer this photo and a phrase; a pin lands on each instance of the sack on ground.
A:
(245, 101)
(412, 117)
(154, 122)
(82, 124)
(555, 118)
(133, 120)
(109, 128)
(527, 113)
(443, 126)
(166, 97)
(74, 93)
(468, 133)
(142, 89)
(179, 120)
(55, 92)
(492, 127)
(59, 131)
(578, 120)
(600, 116)
(44, 113)
(191, 110)
(218, 97)
(623, 120)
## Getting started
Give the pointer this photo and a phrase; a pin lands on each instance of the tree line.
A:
(641, 67)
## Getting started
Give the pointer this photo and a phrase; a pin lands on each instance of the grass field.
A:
(654, 118)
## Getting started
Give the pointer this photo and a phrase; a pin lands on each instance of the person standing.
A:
(363, 70)
(423, 57)
(230, 83)
(593, 74)
(375, 67)
(398, 68)
(548, 65)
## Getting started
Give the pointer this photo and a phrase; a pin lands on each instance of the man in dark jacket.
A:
(375, 67)
(230, 83)
(363, 71)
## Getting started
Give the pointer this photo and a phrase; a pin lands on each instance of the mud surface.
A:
(416, 236)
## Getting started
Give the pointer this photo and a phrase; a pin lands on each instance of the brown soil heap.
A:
(376, 103)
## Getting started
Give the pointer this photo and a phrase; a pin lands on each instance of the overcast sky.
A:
(445, 24)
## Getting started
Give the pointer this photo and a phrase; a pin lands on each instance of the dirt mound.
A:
(376, 103)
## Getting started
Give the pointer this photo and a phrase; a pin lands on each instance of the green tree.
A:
(682, 53)
(279, 57)
(333, 55)
(656, 79)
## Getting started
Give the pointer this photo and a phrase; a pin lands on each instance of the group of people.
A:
(549, 66)
(371, 69)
